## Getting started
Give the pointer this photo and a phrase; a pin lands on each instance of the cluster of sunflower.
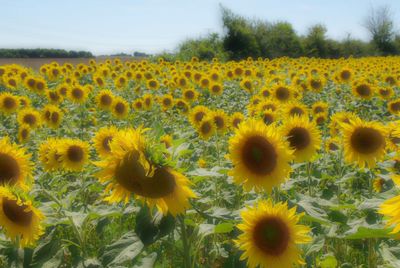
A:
(272, 114)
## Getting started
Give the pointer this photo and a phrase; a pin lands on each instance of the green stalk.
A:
(185, 242)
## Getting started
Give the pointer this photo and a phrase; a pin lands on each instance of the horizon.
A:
(155, 26)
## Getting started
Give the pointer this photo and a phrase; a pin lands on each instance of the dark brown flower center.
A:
(259, 155)
(106, 100)
(395, 106)
(199, 116)
(366, 140)
(16, 213)
(271, 235)
(77, 93)
(205, 128)
(296, 111)
(268, 119)
(106, 143)
(9, 169)
(75, 153)
(282, 93)
(299, 138)
(30, 119)
(363, 90)
(345, 75)
(120, 108)
(9, 103)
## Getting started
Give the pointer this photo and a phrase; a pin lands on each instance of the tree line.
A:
(244, 37)
(43, 53)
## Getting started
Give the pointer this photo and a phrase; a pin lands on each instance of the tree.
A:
(315, 42)
(379, 23)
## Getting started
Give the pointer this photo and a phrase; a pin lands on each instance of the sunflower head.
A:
(19, 218)
(271, 234)
(259, 156)
(364, 142)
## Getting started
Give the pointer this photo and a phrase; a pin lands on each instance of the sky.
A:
(152, 26)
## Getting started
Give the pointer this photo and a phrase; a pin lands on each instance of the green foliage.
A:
(43, 53)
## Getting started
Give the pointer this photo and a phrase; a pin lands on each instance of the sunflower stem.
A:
(309, 167)
(185, 242)
(17, 244)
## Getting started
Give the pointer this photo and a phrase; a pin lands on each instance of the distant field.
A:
(35, 63)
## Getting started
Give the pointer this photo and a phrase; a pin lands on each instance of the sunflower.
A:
(206, 128)
(394, 107)
(271, 234)
(29, 116)
(30, 83)
(138, 104)
(120, 107)
(19, 218)
(104, 99)
(378, 184)
(167, 101)
(24, 101)
(216, 89)
(319, 107)
(295, 109)
(54, 96)
(78, 94)
(197, 114)
(221, 120)
(269, 117)
(385, 93)
(147, 101)
(15, 165)
(236, 119)
(259, 156)
(332, 144)
(391, 209)
(50, 155)
(74, 154)
(52, 115)
(363, 90)
(127, 171)
(364, 142)
(182, 106)
(190, 94)
(153, 84)
(320, 118)
(393, 141)
(103, 138)
(24, 132)
(166, 140)
(40, 86)
(283, 93)
(8, 103)
(303, 136)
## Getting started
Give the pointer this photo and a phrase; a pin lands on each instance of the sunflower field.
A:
(252, 163)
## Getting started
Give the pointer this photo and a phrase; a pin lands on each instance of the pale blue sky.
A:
(110, 26)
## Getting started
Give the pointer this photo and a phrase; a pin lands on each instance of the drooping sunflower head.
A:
(303, 137)
(332, 144)
(271, 234)
(166, 140)
(269, 117)
(74, 154)
(259, 155)
(19, 218)
(385, 92)
(364, 142)
(319, 107)
(103, 138)
(15, 165)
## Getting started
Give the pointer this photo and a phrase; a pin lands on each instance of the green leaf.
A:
(364, 233)
(125, 249)
(224, 228)
(329, 262)
(45, 250)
